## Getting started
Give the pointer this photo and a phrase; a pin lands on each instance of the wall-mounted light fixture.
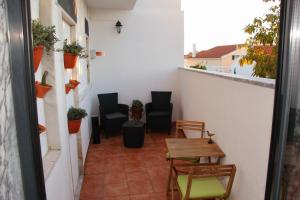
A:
(119, 26)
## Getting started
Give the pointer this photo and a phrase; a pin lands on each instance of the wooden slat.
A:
(190, 126)
(180, 148)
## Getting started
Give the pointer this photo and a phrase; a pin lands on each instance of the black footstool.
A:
(133, 134)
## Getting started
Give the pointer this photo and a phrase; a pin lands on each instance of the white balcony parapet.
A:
(239, 111)
(264, 82)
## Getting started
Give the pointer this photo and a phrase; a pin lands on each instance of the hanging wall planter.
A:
(70, 60)
(37, 56)
(42, 88)
(74, 119)
(42, 129)
(71, 53)
(74, 126)
(43, 38)
(74, 83)
(68, 87)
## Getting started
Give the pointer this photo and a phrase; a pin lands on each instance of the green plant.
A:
(74, 48)
(76, 113)
(198, 66)
(43, 35)
(262, 44)
(137, 104)
(44, 77)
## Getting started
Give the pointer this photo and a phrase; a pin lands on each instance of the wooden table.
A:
(182, 148)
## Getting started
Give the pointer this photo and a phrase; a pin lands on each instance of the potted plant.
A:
(42, 88)
(74, 119)
(74, 83)
(68, 87)
(43, 37)
(136, 110)
(71, 53)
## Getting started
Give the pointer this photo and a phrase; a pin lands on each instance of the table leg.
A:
(170, 176)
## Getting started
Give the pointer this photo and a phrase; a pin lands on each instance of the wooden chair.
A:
(183, 125)
(199, 181)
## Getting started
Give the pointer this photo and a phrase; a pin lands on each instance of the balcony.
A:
(239, 110)
(141, 58)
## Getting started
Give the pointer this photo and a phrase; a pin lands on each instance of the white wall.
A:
(240, 114)
(144, 57)
(62, 173)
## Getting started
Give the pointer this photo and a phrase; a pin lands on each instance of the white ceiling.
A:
(111, 4)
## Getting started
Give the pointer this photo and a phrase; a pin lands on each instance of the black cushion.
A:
(115, 115)
(109, 102)
(159, 114)
(161, 100)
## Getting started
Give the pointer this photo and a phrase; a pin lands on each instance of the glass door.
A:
(284, 164)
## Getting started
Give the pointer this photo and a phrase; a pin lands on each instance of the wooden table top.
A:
(182, 147)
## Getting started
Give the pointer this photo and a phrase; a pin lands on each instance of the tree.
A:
(262, 44)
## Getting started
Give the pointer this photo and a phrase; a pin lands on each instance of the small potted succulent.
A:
(136, 110)
(43, 38)
(74, 119)
(74, 83)
(68, 87)
(42, 88)
(71, 53)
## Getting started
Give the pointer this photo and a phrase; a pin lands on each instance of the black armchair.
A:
(159, 112)
(112, 114)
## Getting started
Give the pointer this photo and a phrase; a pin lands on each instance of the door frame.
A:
(281, 114)
(24, 98)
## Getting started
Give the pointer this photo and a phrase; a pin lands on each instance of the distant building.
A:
(219, 58)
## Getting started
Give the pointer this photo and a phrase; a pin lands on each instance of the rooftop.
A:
(216, 52)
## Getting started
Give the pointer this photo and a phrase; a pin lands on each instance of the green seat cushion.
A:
(192, 159)
(201, 187)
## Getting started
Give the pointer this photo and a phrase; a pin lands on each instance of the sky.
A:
(209, 23)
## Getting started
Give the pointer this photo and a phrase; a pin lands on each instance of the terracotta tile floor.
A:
(113, 172)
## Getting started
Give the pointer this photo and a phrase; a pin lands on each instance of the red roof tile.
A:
(216, 52)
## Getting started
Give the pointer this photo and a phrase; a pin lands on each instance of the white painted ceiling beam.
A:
(111, 4)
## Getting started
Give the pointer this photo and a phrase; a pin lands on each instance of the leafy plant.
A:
(74, 48)
(76, 113)
(198, 66)
(44, 77)
(262, 44)
(137, 104)
(43, 35)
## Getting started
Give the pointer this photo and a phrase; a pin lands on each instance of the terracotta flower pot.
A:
(100, 53)
(42, 129)
(74, 83)
(41, 90)
(70, 60)
(74, 126)
(136, 113)
(68, 88)
(37, 56)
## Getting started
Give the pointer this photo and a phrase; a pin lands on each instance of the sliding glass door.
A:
(284, 165)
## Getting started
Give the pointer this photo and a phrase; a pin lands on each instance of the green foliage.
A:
(74, 48)
(137, 104)
(76, 113)
(198, 66)
(43, 35)
(44, 77)
(262, 44)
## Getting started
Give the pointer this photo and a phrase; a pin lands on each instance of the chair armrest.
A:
(171, 108)
(148, 107)
(123, 108)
